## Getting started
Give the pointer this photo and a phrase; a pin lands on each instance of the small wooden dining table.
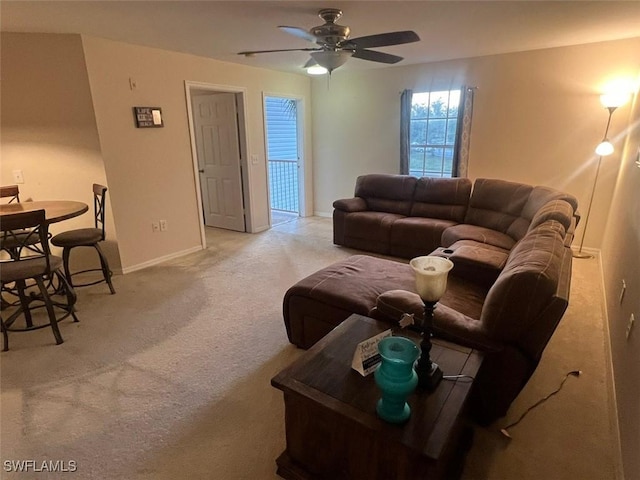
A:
(54, 210)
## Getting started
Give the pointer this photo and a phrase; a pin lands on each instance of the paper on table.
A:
(366, 357)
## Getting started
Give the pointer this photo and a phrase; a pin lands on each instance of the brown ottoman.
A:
(324, 299)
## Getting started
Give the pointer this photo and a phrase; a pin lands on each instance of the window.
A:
(281, 117)
(433, 128)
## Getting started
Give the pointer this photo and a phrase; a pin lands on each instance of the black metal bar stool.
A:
(87, 237)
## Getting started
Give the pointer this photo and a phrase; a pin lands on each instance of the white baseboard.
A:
(323, 214)
(594, 252)
(614, 419)
(158, 260)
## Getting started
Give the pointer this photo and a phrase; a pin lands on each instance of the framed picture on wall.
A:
(148, 117)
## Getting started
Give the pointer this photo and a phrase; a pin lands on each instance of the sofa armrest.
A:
(447, 323)
(355, 204)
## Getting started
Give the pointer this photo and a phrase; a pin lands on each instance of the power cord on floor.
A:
(505, 430)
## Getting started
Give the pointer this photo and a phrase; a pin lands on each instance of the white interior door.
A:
(216, 130)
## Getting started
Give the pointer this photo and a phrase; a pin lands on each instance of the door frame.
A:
(300, 144)
(241, 95)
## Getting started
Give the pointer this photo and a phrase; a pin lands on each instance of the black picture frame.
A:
(148, 117)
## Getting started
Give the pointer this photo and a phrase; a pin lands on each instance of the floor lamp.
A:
(604, 148)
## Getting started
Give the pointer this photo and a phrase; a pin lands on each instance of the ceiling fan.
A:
(335, 47)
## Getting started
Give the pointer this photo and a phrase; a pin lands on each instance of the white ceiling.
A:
(448, 29)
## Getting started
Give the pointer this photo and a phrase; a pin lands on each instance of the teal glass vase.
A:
(396, 378)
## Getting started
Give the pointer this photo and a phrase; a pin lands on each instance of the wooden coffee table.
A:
(332, 428)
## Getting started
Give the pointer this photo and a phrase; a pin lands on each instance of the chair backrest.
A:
(27, 230)
(12, 192)
(99, 206)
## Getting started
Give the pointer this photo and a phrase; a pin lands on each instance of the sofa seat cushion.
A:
(475, 261)
(478, 234)
(495, 256)
(415, 236)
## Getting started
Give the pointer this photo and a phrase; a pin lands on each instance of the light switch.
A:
(17, 176)
(254, 159)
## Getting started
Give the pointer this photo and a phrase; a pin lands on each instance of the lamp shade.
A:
(604, 148)
(431, 276)
(330, 59)
(614, 99)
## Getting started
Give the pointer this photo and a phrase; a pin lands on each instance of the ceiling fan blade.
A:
(374, 56)
(384, 39)
(253, 52)
(299, 32)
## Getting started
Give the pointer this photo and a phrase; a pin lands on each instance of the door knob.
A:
(201, 170)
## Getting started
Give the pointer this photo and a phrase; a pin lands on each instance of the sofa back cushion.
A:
(496, 204)
(533, 281)
(558, 210)
(539, 198)
(443, 198)
(386, 192)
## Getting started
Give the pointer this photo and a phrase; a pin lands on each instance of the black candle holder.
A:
(429, 373)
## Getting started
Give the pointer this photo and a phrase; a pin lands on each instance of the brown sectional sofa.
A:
(506, 293)
(399, 215)
(405, 216)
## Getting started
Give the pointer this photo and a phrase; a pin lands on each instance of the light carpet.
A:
(169, 378)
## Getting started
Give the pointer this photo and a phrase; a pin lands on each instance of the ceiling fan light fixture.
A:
(331, 59)
(316, 70)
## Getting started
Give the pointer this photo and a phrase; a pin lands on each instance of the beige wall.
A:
(537, 119)
(48, 126)
(621, 261)
(150, 171)
(67, 122)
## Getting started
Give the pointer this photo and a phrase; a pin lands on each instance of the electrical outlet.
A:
(632, 320)
(155, 226)
(17, 176)
(163, 225)
(622, 290)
